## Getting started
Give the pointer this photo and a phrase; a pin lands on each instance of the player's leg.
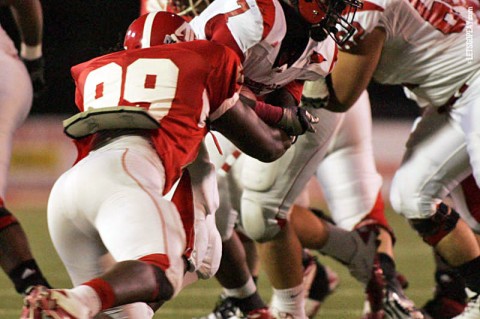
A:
(437, 161)
(465, 112)
(16, 258)
(449, 297)
(123, 207)
(270, 190)
(240, 294)
(352, 189)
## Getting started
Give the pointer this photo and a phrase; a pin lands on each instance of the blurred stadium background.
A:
(83, 29)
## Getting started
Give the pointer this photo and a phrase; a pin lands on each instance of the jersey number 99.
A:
(150, 82)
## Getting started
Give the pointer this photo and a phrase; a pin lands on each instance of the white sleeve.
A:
(245, 27)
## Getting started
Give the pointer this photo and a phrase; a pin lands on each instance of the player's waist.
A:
(459, 92)
(123, 136)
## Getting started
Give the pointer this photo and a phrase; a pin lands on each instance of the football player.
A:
(278, 47)
(276, 53)
(390, 46)
(277, 185)
(240, 288)
(144, 112)
(16, 96)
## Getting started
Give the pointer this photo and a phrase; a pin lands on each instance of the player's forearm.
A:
(354, 71)
(341, 101)
(29, 18)
(251, 134)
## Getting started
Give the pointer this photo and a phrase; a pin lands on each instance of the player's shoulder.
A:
(99, 60)
(371, 15)
(245, 18)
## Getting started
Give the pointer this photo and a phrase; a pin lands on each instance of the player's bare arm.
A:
(251, 135)
(354, 70)
(28, 16)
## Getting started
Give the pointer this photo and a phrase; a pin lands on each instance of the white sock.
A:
(248, 289)
(291, 301)
(88, 297)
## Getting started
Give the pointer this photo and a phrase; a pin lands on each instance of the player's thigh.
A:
(16, 92)
(271, 188)
(348, 174)
(465, 198)
(75, 240)
(435, 162)
(467, 114)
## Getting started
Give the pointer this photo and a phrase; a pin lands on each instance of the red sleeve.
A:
(76, 73)
(295, 88)
(226, 75)
(270, 114)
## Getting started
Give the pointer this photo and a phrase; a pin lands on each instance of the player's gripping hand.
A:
(293, 120)
(36, 70)
(296, 121)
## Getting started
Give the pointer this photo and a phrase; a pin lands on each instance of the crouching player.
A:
(144, 114)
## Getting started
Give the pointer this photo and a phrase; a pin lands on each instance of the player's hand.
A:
(296, 121)
(36, 70)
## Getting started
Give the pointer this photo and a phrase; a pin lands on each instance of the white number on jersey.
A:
(440, 15)
(152, 81)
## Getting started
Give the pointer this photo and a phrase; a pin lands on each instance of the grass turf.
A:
(414, 259)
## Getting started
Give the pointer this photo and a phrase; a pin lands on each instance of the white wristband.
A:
(29, 52)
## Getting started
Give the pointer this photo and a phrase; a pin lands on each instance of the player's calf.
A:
(15, 256)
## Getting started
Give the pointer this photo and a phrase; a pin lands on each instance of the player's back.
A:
(181, 85)
(426, 46)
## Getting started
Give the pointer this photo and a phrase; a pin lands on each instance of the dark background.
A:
(75, 31)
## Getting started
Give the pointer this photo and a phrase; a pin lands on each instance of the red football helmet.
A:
(157, 28)
(328, 17)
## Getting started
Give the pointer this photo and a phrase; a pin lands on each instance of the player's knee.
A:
(211, 262)
(164, 288)
(408, 199)
(258, 224)
(398, 193)
(225, 220)
(6, 219)
(436, 227)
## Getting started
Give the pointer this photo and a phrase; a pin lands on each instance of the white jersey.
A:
(429, 47)
(256, 29)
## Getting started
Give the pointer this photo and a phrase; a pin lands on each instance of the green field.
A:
(414, 259)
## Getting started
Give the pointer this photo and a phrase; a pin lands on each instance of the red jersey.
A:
(183, 86)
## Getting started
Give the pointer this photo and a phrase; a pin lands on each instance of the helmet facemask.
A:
(187, 8)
